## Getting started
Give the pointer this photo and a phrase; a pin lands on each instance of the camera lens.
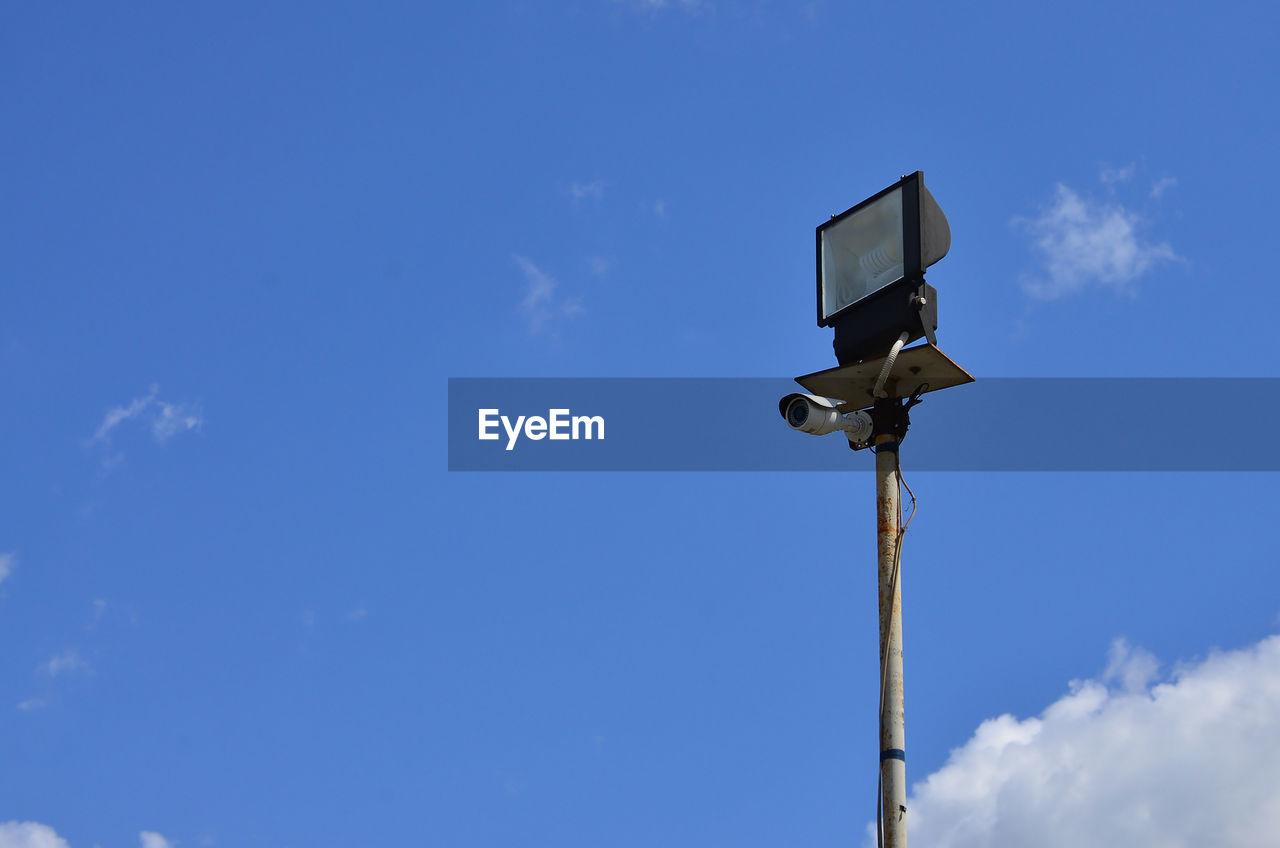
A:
(798, 413)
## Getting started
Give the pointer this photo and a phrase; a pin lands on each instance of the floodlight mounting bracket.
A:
(867, 328)
(923, 365)
(925, 300)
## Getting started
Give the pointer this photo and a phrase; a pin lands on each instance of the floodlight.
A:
(871, 263)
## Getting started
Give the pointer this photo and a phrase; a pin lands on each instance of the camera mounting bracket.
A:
(916, 367)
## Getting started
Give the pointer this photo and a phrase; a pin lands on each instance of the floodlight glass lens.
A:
(862, 253)
(798, 412)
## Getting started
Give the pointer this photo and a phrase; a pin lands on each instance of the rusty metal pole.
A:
(893, 765)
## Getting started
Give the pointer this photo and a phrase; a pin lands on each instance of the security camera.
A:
(820, 416)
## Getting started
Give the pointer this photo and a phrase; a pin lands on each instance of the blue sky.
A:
(243, 602)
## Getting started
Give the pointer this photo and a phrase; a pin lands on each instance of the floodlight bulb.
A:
(886, 256)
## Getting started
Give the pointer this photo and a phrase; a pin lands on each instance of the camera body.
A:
(819, 416)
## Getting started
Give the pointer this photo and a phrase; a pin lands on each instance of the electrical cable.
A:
(903, 480)
(879, 390)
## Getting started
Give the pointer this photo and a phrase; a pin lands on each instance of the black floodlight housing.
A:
(871, 262)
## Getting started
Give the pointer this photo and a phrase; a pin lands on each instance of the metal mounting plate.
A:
(915, 366)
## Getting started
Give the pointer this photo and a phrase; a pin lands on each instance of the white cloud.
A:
(165, 420)
(357, 614)
(151, 839)
(1117, 175)
(30, 705)
(105, 611)
(15, 834)
(541, 288)
(172, 419)
(1085, 243)
(1185, 762)
(64, 663)
(1132, 668)
(1162, 185)
(658, 5)
(584, 191)
(99, 610)
(8, 562)
(120, 414)
(540, 306)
